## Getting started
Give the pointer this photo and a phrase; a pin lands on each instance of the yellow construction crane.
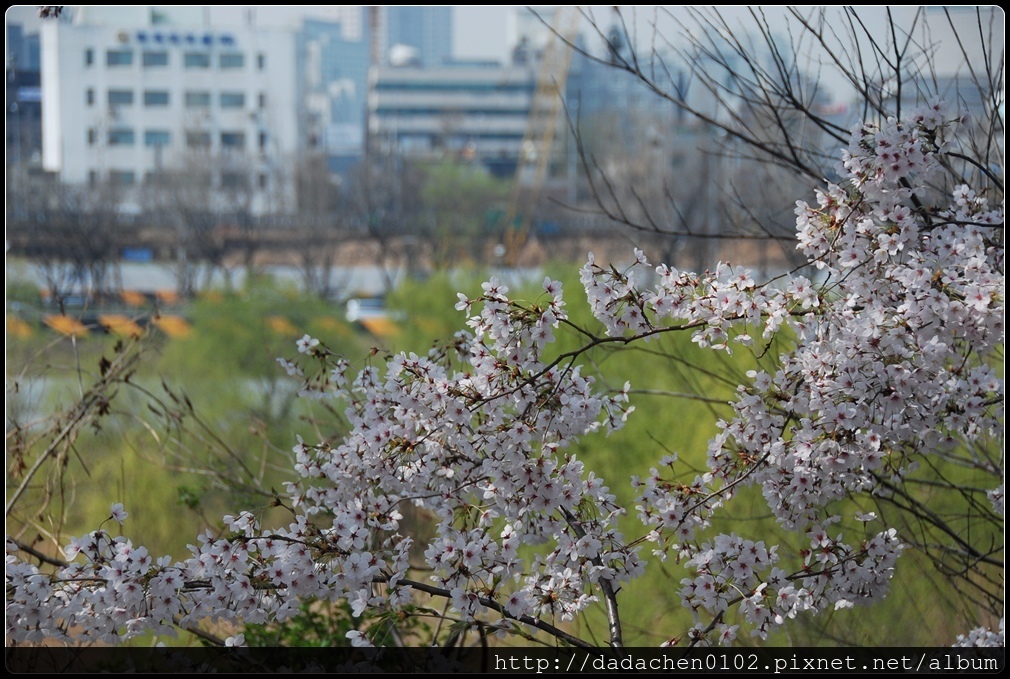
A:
(535, 153)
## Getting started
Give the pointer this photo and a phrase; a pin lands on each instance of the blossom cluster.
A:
(888, 369)
(982, 636)
(474, 435)
(888, 364)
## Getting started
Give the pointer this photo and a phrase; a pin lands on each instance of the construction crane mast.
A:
(538, 140)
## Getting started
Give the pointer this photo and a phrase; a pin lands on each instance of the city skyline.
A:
(485, 32)
(474, 34)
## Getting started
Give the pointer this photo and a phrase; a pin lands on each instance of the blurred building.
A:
(472, 111)
(425, 29)
(128, 92)
(337, 54)
(131, 92)
(334, 84)
(22, 48)
(23, 98)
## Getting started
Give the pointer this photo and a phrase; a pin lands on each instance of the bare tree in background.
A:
(321, 226)
(182, 196)
(758, 96)
(384, 196)
(656, 176)
(73, 234)
(240, 225)
(207, 202)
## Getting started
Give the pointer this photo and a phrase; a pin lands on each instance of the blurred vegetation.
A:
(465, 201)
(203, 424)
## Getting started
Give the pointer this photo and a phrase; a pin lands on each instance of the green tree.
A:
(459, 199)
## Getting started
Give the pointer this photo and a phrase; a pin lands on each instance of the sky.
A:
(478, 31)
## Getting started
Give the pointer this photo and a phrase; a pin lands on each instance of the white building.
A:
(131, 91)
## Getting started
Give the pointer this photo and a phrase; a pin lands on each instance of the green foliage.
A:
(18, 284)
(461, 198)
(318, 623)
(205, 423)
(188, 497)
(22, 293)
(244, 333)
(425, 307)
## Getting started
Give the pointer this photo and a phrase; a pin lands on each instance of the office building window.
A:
(89, 57)
(263, 141)
(232, 100)
(121, 137)
(155, 98)
(123, 177)
(263, 100)
(157, 137)
(232, 60)
(155, 59)
(263, 182)
(196, 99)
(233, 141)
(89, 96)
(119, 57)
(120, 97)
(196, 60)
(198, 140)
(92, 136)
(92, 177)
(261, 61)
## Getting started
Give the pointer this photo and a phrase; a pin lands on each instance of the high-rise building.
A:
(334, 70)
(23, 116)
(22, 48)
(426, 29)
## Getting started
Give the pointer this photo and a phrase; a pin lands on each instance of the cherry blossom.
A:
(305, 345)
(118, 513)
(889, 365)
